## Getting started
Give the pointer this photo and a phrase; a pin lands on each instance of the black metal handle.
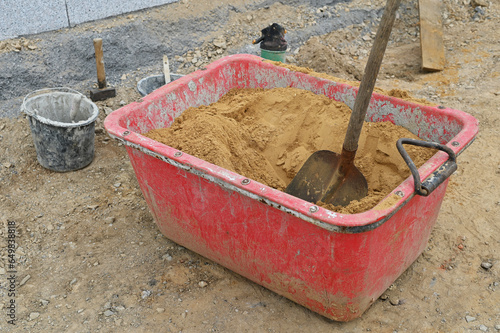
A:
(440, 175)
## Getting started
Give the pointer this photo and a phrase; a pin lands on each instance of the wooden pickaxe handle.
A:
(99, 61)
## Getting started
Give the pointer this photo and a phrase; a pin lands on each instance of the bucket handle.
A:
(437, 177)
(44, 90)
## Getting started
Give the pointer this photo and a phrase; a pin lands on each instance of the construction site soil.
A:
(88, 255)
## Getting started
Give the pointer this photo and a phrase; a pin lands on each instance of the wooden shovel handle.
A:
(371, 71)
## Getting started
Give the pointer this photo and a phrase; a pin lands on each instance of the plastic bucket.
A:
(149, 84)
(62, 123)
(273, 55)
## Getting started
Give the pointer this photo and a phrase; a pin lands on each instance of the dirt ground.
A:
(89, 256)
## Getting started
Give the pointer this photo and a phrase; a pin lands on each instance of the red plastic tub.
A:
(334, 264)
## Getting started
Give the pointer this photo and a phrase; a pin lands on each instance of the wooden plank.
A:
(431, 35)
(166, 69)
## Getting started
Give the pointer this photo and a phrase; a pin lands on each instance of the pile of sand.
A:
(266, 135)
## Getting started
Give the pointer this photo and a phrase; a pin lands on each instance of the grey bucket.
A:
(149, 84)
(62, 122)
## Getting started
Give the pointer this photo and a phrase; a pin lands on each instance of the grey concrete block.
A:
(84, 11)
(22, 17)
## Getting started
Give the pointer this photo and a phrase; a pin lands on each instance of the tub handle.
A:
(437, 177)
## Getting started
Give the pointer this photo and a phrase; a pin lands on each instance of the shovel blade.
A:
(326, 177)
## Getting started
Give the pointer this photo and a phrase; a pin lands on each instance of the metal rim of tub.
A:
(32, 113)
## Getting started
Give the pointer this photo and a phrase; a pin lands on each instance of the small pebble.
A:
(497, 327)
(481, 3)
(44, 302)
(34, 315)
(2, 271)
(469, 318)
(107, 305)
(108, 313)
(486, 265)
(145, 294)
(394, 301)
(109, 220)
(23, 281)
(202, 284)
(483, 328)
(160, 310)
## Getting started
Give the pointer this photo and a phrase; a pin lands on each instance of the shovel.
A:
(332, 178)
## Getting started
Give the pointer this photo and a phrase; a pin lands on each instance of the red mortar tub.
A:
(334, 264)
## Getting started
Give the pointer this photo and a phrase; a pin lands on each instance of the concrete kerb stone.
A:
(24, 17)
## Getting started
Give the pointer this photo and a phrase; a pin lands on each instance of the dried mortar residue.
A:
(266, 135)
